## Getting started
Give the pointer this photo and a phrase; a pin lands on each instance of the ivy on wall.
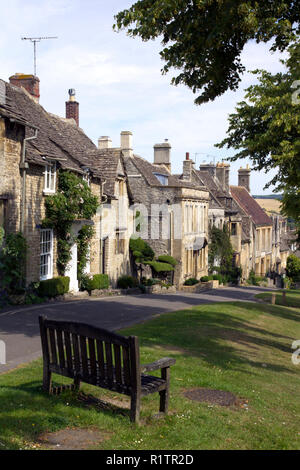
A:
(73, 200)
(220, 251)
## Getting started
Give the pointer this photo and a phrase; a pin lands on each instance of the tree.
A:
(266, 129)
(204, 38)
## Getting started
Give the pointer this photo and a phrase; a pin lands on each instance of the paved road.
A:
(19, 326)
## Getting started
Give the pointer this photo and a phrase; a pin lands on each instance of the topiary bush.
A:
(159, 267)
(206, 278)
(293, 267)
(141, 250)
(125, 282)
(54, 287)
(167, 259)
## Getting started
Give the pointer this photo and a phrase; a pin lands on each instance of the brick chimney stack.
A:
(188, 166)
(72, 107)
(31, 83)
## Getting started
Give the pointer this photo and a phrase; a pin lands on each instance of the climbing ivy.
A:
(73, 200)
(12, 262)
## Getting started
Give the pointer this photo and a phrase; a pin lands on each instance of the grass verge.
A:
(292, 298)
(244, 348)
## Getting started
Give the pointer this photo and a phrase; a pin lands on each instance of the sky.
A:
(118, 81)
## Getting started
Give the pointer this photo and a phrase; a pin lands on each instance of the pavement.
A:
(19, 327)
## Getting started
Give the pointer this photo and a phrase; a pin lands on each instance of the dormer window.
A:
(163, 179)
(50, 177)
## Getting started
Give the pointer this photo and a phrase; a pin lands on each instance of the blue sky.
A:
(117, 79)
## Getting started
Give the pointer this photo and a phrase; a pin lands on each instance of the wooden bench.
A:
(102, 358)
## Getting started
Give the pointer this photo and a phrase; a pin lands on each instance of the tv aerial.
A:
(34, 41)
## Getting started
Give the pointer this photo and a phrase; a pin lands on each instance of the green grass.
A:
(292, 298)
(244, 348)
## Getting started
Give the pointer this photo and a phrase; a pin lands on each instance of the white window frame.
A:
(46, 254)
(50, 177)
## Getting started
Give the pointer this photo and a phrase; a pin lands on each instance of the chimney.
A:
(126, 143)
(222, 173)
(244, 177)
(209, 167)
(72, 107)
(187, 168)
(162, 154)
(104, 142)
(31, 83)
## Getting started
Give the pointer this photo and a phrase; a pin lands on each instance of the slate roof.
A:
(58, 138)
(148, 170)
(250, 206)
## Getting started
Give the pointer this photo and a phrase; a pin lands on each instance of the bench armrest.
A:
(160, 364)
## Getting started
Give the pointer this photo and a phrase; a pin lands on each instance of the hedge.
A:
(54, 287)
(124, 282)
(99, 281)
(191, 281)
(160, 267)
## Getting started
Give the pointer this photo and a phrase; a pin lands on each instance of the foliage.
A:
(2, 234)
(220, 249)
(159, 267)
(84, 237)
(191, 281)
(125, 282)
(12, 262)
(73, 200)
(54, 287)
(141, 250)
(293, 267)
(167, 259)
(255, 280)
(205, 39)
(99, 281)
(206, 278)
(266, 129)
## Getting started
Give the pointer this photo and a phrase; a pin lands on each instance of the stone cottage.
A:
(173, 211)
(34, 147)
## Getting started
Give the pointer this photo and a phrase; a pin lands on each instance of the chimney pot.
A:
(72, 107)
(187, 156)
(104, 142)
(126, 143)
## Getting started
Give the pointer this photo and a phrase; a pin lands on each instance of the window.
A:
(120, 243)
(163, 179)
(46, 251)
(50, 177)
(233, 229)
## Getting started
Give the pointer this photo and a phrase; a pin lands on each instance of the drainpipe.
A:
(24, 166)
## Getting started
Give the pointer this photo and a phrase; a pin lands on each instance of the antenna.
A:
(35, 40)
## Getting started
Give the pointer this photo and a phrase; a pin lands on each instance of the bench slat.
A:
(84, 356)
(92, 355)
(76, 353)
(68, 350)
(60, 344)
(100, 355)
(53, 346)
(126, 366)
(118, 365)
(109, 363)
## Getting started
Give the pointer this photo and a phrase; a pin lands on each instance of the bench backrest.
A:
(94, 355)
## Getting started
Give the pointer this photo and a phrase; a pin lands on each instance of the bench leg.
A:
(76, 383)
(164, 394)
(47, 380)
(135, 408)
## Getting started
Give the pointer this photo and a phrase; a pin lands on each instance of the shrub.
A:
(190, 282)
(12, 262)
(159, 267)
(125, 282)
(99, 281)
(54, 287)
(140, 247)
(167, 259)
(218, 277)
(206, 278)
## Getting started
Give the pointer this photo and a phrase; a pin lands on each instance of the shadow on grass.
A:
(220, 336)
(27, 411)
